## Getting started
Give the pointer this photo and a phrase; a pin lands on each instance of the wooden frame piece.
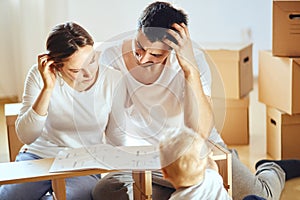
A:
(38, 170)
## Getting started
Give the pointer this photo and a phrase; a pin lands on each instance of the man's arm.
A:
(198, 113)
(198, 110)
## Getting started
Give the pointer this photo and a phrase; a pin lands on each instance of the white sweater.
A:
(74, 119)
(151, 108)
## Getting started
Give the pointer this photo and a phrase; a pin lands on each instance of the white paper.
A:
(104, 156)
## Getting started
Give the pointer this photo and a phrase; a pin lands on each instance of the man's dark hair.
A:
(157, 18)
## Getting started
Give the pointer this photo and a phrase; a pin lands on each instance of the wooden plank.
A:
(37, 170)
(14, 143)
(11, 112)
(142, 187)
(219, 153)
(8, 99)
(59, 189)
(224, 161)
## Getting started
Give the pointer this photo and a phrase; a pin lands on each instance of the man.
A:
(168, 85)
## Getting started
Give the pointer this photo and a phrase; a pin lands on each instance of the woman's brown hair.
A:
(65, 39)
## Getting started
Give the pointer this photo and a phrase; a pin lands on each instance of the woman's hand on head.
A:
(47, 70)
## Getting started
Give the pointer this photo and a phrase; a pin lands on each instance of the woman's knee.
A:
(81, 187)
(32, 190)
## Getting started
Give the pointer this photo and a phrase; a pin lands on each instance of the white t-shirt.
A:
(74, 119)
(210, 188)
(152, 108)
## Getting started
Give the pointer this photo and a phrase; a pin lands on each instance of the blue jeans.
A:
(253, 197)
(76, 188)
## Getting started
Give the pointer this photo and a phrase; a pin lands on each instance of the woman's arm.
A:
(36, 97)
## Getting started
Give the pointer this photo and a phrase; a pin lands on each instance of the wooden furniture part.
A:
(14, 144)
(37, 170)
(142, 187)
(224, 161)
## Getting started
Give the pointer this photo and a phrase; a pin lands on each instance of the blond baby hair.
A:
(183, 155)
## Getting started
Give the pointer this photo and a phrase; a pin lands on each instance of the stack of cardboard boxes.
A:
(279, 81)
(233, 63)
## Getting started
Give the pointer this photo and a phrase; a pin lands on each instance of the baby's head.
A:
(183, 155)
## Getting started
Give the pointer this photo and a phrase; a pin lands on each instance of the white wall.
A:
(7, 69)
(24, 31)
(24, 28)
(209, 20)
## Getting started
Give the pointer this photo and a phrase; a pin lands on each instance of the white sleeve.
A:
(111, 57)
(115, 132)
(29, 124)
(204, 70)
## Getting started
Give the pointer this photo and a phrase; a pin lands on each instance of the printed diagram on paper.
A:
(104, 156)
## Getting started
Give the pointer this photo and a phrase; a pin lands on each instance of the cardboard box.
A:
(286, 28)
(234, 63)
(279, 82)
(233, 125)
(282, 134)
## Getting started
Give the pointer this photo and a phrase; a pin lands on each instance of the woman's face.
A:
(80, 69)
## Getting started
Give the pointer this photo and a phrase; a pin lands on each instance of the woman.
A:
(66, 104)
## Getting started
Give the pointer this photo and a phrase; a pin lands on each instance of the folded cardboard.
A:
(279, 82)
(282, 134)
(286, 28)
(234, 64)
(233, 121)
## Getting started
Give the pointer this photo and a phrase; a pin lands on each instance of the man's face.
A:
(148, 53)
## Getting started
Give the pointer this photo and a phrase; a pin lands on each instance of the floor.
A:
(249, 154)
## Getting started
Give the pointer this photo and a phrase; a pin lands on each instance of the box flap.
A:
(297, 60)
(225, 46)
(238, 103)
(286, 0)
(290, 119)
(282, 117)
(228, 51)
(288, 6)
(243, 102)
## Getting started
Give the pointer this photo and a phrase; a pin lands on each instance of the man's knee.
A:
(110, 188)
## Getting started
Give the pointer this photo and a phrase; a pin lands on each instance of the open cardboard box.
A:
(234, 64)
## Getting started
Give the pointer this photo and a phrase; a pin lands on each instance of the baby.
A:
(186, 162)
